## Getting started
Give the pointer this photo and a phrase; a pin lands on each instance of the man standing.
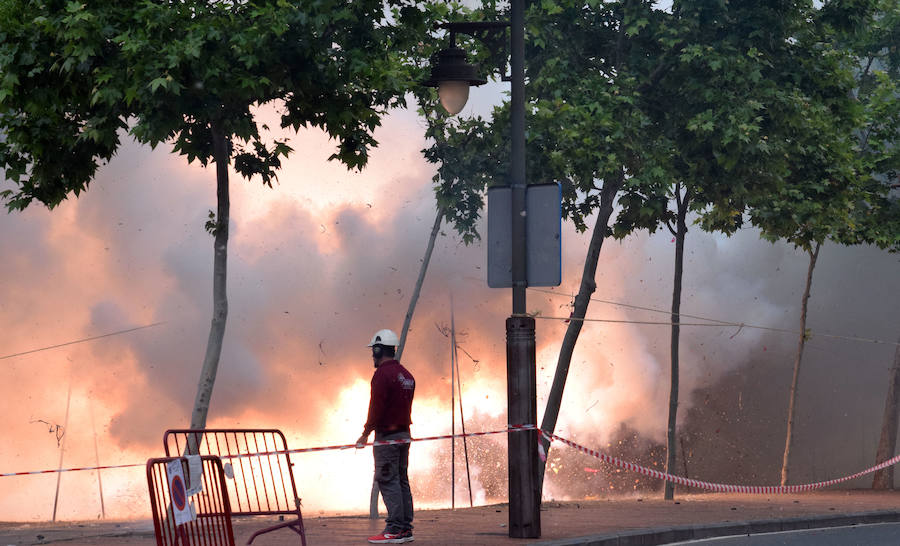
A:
(390, 408)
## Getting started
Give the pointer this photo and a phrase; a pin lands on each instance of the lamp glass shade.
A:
(453, 95)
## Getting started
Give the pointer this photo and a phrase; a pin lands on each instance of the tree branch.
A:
(671, 229)
(660, 71)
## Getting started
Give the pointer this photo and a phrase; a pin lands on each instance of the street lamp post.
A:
(452, 75)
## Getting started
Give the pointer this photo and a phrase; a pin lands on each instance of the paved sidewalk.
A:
(615, 521)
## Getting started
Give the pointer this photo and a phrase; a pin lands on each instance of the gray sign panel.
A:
(543, 228)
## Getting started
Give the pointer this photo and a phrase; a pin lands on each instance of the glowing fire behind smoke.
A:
(326, 259)
(347, 489)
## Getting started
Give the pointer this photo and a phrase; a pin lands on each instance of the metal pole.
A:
(462, 420)
(452, 410)
(62, 449)
(97, 461)
(517, 159)
(524, 494)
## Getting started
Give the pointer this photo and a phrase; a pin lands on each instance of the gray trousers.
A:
(391, 463)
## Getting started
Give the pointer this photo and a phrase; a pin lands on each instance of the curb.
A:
(668, 535)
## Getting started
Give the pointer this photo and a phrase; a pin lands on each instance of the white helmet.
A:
(385, 337)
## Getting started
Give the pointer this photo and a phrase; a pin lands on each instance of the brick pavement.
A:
(635, 520)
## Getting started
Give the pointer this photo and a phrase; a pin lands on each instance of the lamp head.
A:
(453, 75)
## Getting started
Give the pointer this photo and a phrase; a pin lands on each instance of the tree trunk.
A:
(220, 300)
(415, 295)
(680, 233)
(373, 500)
(588, 285)
(792, 405)
(884, 478)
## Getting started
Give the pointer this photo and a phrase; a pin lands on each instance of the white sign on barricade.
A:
(182, 508)
(195, 471)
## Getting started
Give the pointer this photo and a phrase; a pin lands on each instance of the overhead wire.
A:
(711, 322)
(722, 322)
(83, 340)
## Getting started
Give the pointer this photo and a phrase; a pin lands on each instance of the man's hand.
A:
(361, 442)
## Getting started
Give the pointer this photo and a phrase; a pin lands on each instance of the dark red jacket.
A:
(390, 404)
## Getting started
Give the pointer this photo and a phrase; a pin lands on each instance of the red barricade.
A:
(263, 483)
(212, 527)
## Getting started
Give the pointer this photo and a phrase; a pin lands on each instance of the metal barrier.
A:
(263, 482)
(212, 526)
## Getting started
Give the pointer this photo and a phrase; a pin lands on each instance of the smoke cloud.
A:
(326, 258)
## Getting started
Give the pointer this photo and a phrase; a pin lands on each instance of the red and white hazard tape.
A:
(719, 487)
(71, 469)
(615, 461)
(383, 442)
(301, 450)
